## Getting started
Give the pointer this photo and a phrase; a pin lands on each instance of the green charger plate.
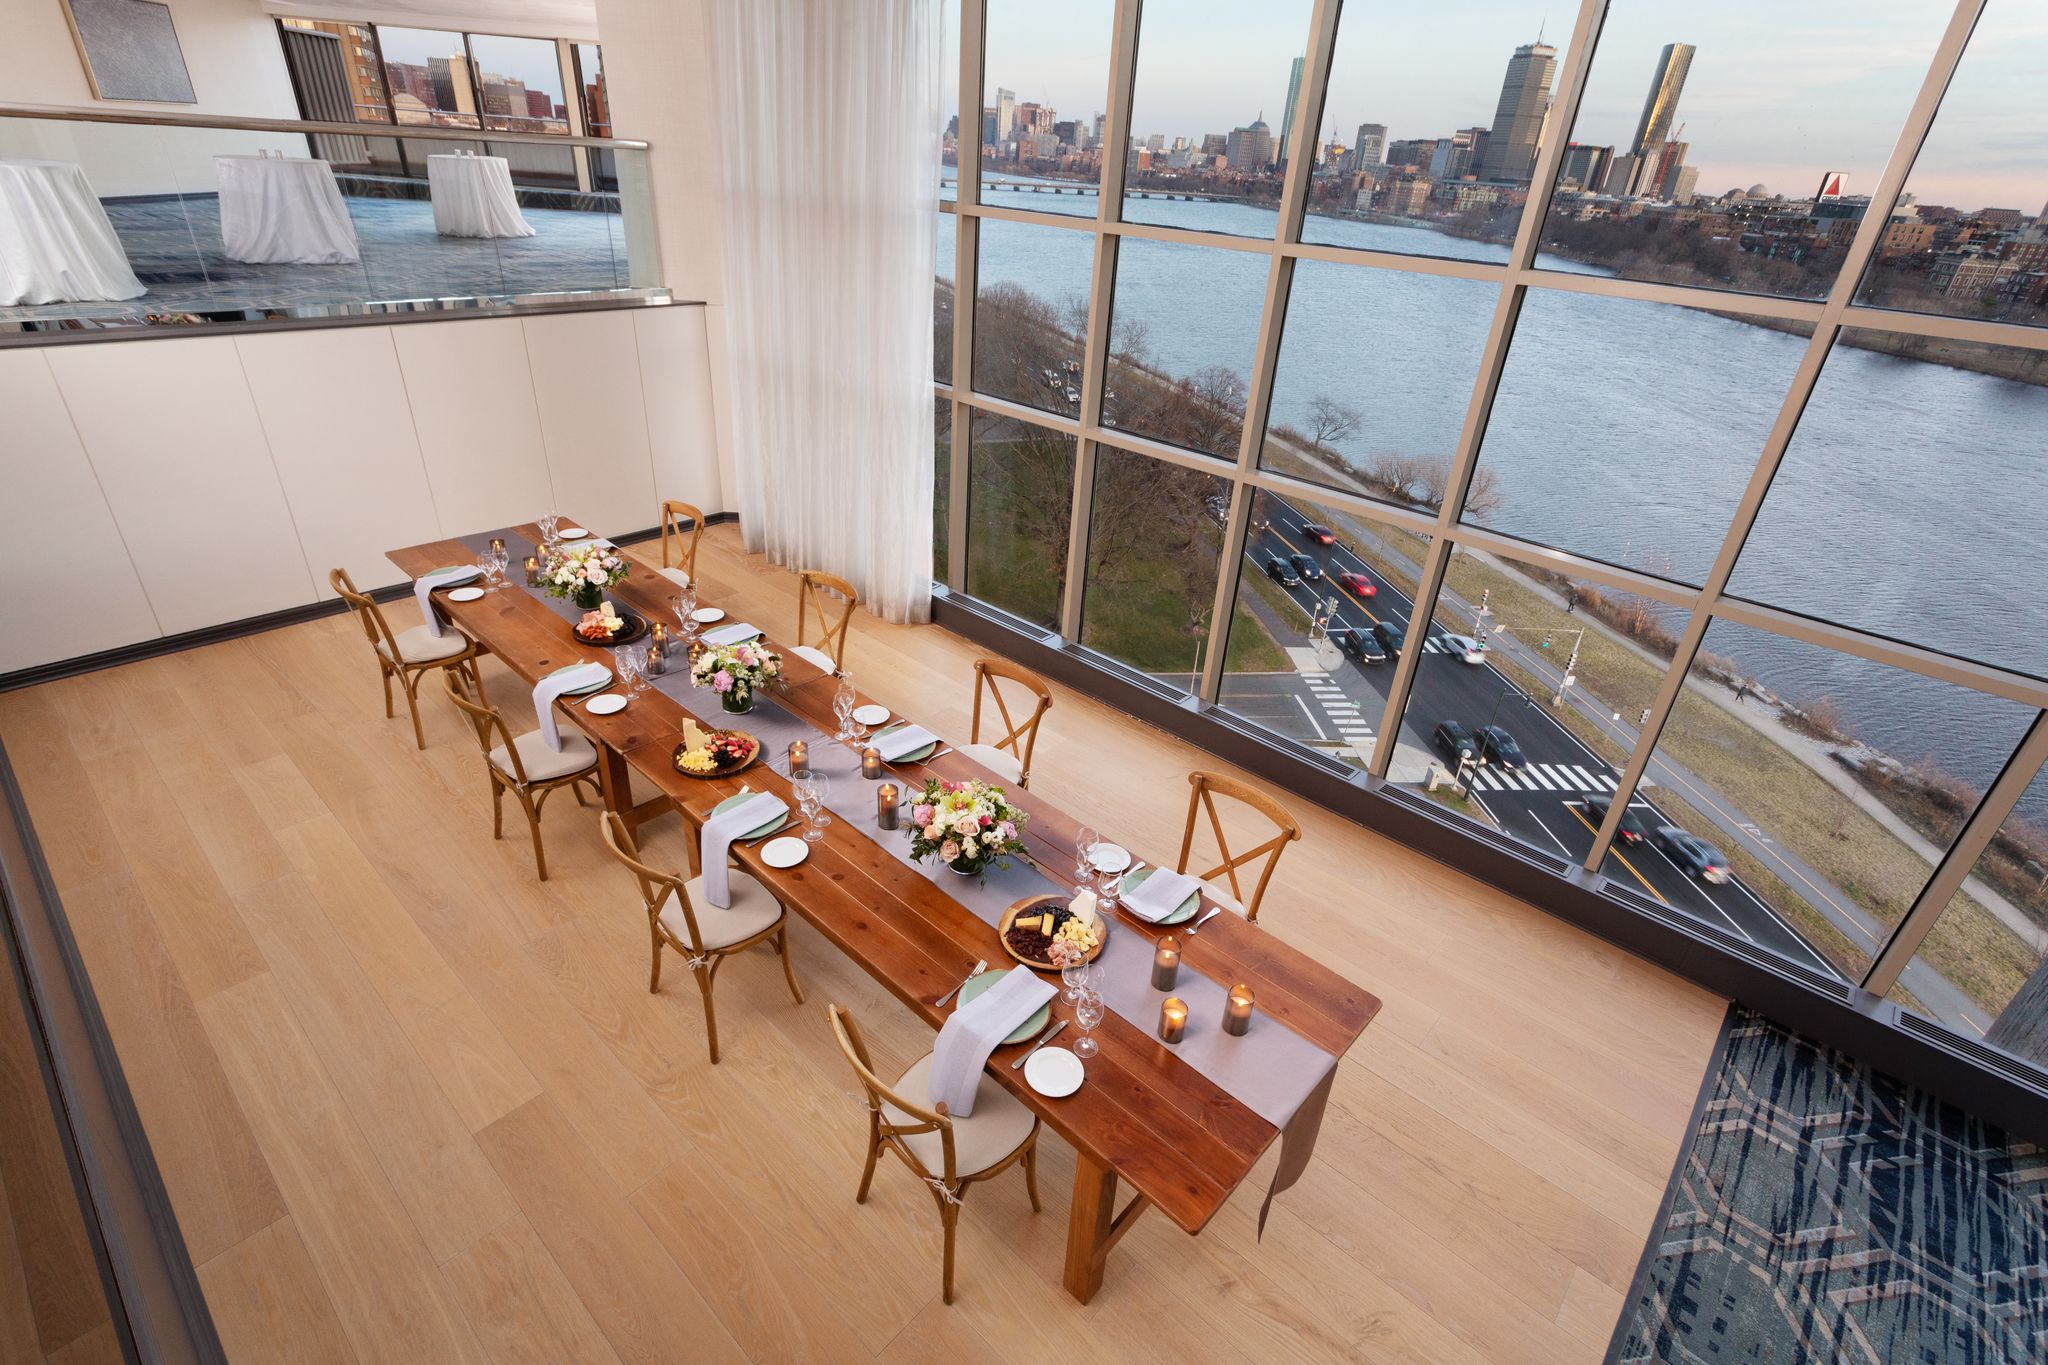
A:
(583, 691)
(915, 755)
(777, 823)
(1181, 913)
(1030, 1027)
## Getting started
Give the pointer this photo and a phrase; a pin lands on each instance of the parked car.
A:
(1390, 631)
(1321, 535)
(1693, 855)
(1498, 746)
(1282, 572)
(1471, 650)
(1306, 566)
(1455, 743)
(1632, 830)
(1357, 583)
(1358, 643)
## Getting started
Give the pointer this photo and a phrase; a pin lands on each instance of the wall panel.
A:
(471, 392)
(586, 385)
(682, 428)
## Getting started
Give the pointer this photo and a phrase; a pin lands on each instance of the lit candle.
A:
(657, 651)
(871, 763)
(1173, 1019)
(1166, 964)
(799, 755)
(1237, 1010)
(532, 569)
(497, 543)
(885, 805)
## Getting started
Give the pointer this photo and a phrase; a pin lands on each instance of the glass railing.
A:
(130, 220)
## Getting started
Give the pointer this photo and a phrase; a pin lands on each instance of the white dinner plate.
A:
(704, 616)
(1054, 1072)
(1107, 857)
(465, 594)
(606, 705)
(787, 851)
(570, 533)
(871, 714)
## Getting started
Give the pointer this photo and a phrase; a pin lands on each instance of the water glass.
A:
(1087, 1015)
(632, 662)
(1085, 840)
(843, 703)
(684, 605)
(547, 526)
(1075, 976)
(1108, 886)
(812, 789)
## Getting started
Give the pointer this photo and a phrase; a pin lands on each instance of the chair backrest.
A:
(1020, 738)
(926, 1118)
(656, 886)
(365, 607)
(814, 590)
(673, 515)
(483, 719)
(1206, 787)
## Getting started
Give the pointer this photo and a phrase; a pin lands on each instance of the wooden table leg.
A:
(615, 780)
(1094, 1226)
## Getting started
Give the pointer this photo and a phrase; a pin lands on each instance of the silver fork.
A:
(1202, 919)
(979, 968)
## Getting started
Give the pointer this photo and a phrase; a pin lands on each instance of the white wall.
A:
(197, 480)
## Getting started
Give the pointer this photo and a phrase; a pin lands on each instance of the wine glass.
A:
(1085, 840)
(632, 661)
(813, 789)
(1108, 886)
(547, 526)
(843, 702)
(1075, 977)
(1087, 1014)
(493, 561)
(684, 605)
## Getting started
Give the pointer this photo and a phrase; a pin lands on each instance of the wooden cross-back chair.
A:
(1010, 755)
(1206, 787)
(814, 592)
(678, 917)
(407, 655)
(524, 766)
(682, 568)
(947, 1153)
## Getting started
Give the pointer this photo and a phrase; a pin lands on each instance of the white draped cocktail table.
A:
(283, 211)
(56, 245)
(473, 197)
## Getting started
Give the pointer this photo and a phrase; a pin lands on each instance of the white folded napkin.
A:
(423, 587)
(553, 686)
(1159, 895)
(719, 832)
(897, 743)
(732, 634)
(977, 1029)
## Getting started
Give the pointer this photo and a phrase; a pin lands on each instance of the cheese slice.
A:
(1083, 907)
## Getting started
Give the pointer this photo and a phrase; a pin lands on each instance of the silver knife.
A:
(1043, 1039)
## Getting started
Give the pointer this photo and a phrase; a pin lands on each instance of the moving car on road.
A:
(1498, 746)
(1465, 647)
(1631, 831)
(1390, 631)
(1358, 643)
(1455, 743)
(1321, 535)
(1310, 571)
(1282, 572)
(1694, 856)
(1357, 583)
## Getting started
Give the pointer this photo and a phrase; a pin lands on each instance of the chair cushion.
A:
(751, 911)
(1219, 891)
(1001, 762)
(541, 762)
(421, 646)
(817, 657)
(676, 576)
(999, 1125)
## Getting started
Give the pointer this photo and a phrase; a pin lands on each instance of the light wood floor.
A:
(412, 1105)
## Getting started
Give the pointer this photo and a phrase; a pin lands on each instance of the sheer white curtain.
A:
(831, 144)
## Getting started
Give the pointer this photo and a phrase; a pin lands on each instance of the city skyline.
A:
(1760, 104)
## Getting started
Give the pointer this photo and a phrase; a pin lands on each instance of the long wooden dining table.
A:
(1143, 1117)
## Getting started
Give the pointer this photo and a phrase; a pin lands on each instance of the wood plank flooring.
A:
(413, 1105)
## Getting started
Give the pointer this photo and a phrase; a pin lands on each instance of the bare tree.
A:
(1330, 421)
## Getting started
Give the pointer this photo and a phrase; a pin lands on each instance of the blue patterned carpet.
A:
(1825, 1212)
(175, 248)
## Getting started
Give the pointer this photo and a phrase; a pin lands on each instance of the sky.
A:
(531, 60)
(1780, 91)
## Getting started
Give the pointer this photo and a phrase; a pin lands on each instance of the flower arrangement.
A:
(966, 825)
(735, 672)
(581, 573)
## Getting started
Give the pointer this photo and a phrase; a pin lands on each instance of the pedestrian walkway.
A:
(1344, 715)
(1546, 777)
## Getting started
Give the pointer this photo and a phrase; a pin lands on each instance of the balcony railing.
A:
(117, 222)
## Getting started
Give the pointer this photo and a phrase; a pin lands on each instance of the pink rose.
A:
(1006, 831)
(721, 681)
(921, 815)
(949, 850)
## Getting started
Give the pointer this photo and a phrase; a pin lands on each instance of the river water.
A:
(1912, 502)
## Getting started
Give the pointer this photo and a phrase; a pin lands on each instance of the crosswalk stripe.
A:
(1534, 774)
(1606, 783)
(1586, 779)
(1487, 780)
(1561, 775)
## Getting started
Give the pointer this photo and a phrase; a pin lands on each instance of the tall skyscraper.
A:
(1518, 118)
(1006, 113)
(1585, 164)
(1287, 114)
(1660, 108)
(1371, 147)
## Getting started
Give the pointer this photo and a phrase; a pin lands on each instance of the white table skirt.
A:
(473, 197)
(56, 245)
(283, 211)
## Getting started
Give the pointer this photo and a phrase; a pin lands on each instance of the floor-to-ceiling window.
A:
(1624, 428)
